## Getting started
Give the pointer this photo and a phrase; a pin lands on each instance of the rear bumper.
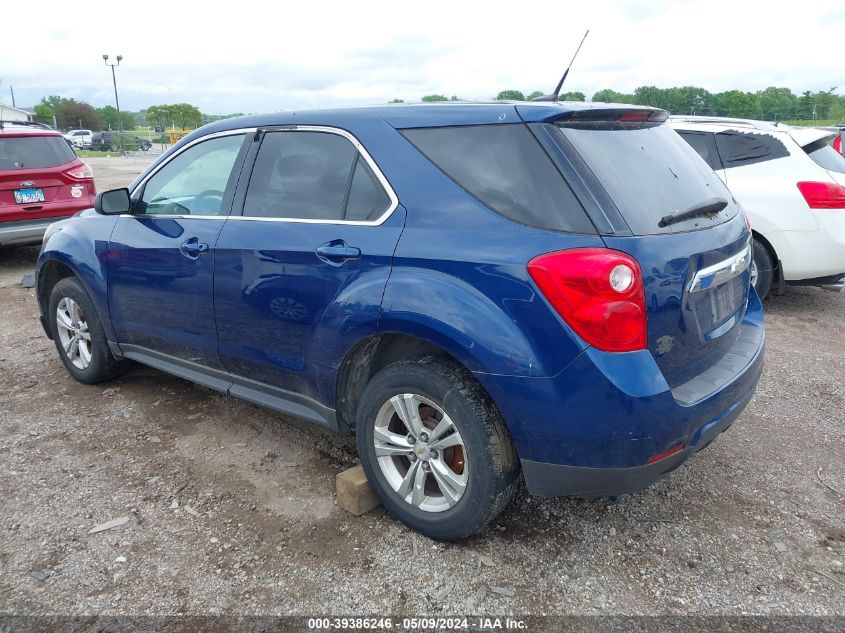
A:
(553, 480)
(807, 255)
(25, 232)
(592, 429)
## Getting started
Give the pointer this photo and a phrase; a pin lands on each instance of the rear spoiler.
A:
(808, 135)
(593, 114)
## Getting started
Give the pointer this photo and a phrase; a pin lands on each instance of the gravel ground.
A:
(230, 508)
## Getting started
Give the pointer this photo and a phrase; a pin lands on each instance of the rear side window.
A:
(34, 152)
(649, 172)
(704, 145)
(313, 176)
(746, 148)
(825, 156)
(367, 199)
(505, 168)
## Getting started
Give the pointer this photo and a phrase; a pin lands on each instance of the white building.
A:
(8, 113)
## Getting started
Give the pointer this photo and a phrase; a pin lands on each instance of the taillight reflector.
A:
(81, 172)
(598, 292)
(667, 453)
(823, 195)
(837, 144)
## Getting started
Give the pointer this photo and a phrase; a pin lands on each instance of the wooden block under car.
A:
(354, 493)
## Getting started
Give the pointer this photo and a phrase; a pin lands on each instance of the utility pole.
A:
(12, 90)
(116, 101)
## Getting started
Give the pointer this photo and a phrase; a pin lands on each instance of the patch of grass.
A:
(811, 123)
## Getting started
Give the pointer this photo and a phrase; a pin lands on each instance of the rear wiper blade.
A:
(710, 207)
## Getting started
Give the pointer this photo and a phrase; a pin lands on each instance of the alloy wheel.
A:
(73, 332)
(420, 452)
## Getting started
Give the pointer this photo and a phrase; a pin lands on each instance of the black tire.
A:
(489, 454)
(103, 365)
(762, 259)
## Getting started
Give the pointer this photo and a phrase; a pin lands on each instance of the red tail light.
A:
(823, 195)
(81, 172)
(598, 292)
(837, 144)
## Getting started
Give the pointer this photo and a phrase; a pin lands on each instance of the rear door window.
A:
(506, 169)
(649, 172)
(737, 149)
(34, 152)
(313, 176)
(825, 156)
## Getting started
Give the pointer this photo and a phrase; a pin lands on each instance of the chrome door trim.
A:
(394, 199)
(722, 271)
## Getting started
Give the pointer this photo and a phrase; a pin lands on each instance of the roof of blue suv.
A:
(419, 115)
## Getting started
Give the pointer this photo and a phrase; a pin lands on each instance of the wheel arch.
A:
(54, 266)
(370, 355)
(50, 273)
(779, 282)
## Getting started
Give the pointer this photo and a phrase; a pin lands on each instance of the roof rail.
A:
(43, 126)
(723, 120)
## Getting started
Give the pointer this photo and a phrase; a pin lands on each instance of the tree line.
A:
(72, 114)
(772, 104)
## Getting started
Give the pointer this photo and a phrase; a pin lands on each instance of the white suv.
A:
(791, 183)
(80, 138)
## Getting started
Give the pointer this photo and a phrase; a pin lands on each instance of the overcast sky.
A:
(263, 56)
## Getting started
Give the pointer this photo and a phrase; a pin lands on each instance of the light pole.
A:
(116, 101)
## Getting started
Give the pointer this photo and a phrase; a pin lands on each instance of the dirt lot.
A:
(231, 508)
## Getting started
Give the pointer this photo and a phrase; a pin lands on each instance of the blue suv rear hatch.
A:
(654, 199)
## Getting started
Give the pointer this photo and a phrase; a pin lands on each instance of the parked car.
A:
(41, 181)
(839, 140)
(791, 183)
(79, 138)
(110, 142)
(470, 289)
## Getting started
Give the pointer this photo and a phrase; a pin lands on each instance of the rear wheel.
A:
(434, 447)
(762, 269)
(78, 334)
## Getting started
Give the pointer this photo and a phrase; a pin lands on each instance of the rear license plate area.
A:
(715, 307)
(29, 196)
(725, 300)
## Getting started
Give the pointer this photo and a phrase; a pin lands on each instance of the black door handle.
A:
(337, 252)
(192, 248)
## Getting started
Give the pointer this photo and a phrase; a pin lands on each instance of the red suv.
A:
(41, 180)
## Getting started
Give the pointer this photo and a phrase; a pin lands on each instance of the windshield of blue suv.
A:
(650, 173)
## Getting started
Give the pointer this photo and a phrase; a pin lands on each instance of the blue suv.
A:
(474, 290)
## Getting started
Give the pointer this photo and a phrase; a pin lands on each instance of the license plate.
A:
(28, 196)
(725, 300)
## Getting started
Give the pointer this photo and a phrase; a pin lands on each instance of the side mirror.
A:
(113, 202)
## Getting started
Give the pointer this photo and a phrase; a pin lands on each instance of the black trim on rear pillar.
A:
(251, 390)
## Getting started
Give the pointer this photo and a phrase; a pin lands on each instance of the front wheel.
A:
(78, 334)
(435, 448)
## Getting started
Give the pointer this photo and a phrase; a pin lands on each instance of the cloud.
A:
(266, 57)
